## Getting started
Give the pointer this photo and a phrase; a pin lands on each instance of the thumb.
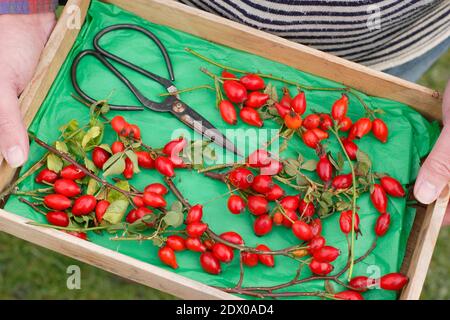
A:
(435, 172)
(13, 135)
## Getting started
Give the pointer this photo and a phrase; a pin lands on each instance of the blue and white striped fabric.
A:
(379, 33)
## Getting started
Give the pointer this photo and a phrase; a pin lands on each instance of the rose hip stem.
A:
(217, 238)
(352, 168)
(293, 83)
(79, 166)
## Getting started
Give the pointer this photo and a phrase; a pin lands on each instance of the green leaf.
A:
(61, 146)
(89, 164)
(327, 197)
(309, 165)
(363, 157)
(157, 242)
(342, 206)
(90, 135)
(174, 218)
(291, 167)
(116, 211)
(133, 158)
(177, 206)
(209, 153)
(54, 162)
(340, 160)
(301, 180)
(92, 187)
(106, 148)
(69, 127)
(116, 195)
(114, 165)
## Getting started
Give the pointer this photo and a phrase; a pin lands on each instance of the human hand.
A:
(22, 39)
(435, 172)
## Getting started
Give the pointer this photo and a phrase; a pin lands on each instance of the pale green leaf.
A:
(115, 212)
(54, 162)
(173, 218)
(91, 134)
(133, 158)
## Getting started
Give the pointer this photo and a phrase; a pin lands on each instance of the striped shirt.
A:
(27, 6)
(378, 33)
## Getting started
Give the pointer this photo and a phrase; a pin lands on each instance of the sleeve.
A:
(27, 6)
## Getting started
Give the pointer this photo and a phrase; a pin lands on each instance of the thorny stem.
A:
(187, 90)
(289, 82)
(352, 168)
(80, 167)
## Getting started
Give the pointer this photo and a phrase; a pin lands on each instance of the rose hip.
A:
(145, 160)
(66, 187)
(349, 295)
(256, 99)
(241, 178)
(196, 229)
(350, 148)
(165, 166)
(345, 124)
(360, 128)
(325, 121)
(154, 200)
(278, 218)
(282, 110)
(380, 130)
(84, 205)
(345, 221)
(286, 99)
(392, 187)
(393, 281)
(320, 268)
(311, 121)
(252, 82)
(251, 117)
(379, 198)
(306, 209)
(265, 259)
(272, 169)
(46, 175)
(262, 184)
(176, 243)
(290, 216)
(228, 112)
(298, 103)
(262, 225)
(382, 224)
(72, 172)
(257, 205)
(194, 214)
(310, 139)
(58, 218)
(117, 147)
(157, 188)
(343, 181)
(339, 108)
(361, 283)
(302, 230)
(293, 120)
(100, 209)
(316, 243)
(259, 158)
(235, 91)
(210, 263)
(326, 254)
(316, 226)
(232, 237)
(129, 171)
(118, 124)
(222, 252)
(236, 204)
(324, 168)
(250, 259)
(195, 245)
(100, 156)
(290, 203)
(167, 256)
(275, 193)
(57, 202)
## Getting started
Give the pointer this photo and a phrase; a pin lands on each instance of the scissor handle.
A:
(146, 102)
(165, 82)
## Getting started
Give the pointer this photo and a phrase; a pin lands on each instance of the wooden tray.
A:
(427, 223)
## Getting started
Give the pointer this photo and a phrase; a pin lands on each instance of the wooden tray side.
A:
(223, 31)
(424, 242)
(52, 58)
(229, 33)
(109, 260)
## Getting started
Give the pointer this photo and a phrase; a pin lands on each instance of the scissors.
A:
(171, 104)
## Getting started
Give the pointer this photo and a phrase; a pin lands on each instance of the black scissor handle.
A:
(146, 102)
(165, 82)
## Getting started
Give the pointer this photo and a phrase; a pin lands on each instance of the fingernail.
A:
(426, 192)
(15, 156)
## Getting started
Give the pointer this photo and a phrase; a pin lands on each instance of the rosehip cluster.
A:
(245, 92)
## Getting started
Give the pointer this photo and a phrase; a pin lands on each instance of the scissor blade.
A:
(195, 121)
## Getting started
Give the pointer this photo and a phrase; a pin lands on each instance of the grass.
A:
(31, 272)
